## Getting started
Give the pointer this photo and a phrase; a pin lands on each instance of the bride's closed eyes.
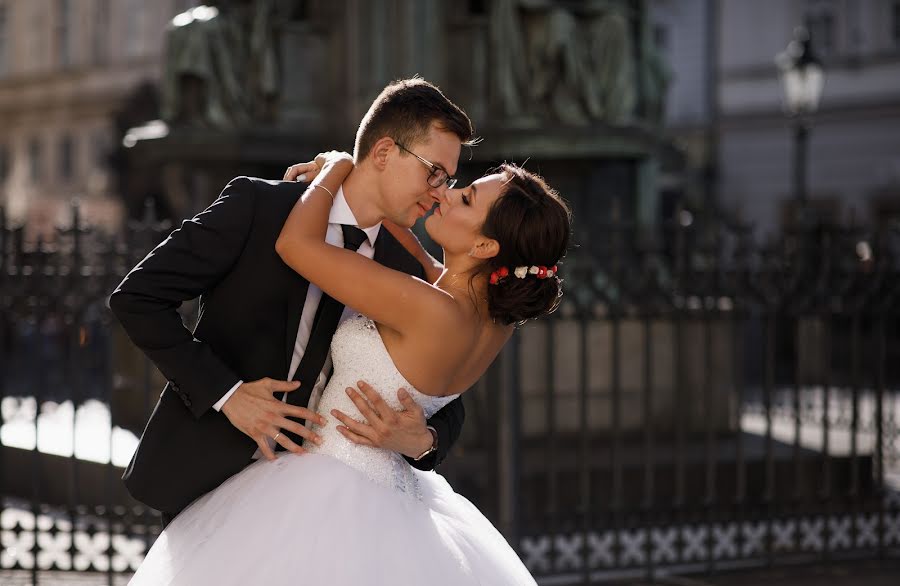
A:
(468, 198)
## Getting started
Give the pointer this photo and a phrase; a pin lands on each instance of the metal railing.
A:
(74, 395)
(700, 402)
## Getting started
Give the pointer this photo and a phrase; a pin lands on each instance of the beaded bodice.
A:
(358, 353)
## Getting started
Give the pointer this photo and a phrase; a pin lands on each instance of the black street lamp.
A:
(803, 78)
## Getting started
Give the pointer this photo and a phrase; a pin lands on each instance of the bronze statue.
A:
(572, 66)
(220, 67)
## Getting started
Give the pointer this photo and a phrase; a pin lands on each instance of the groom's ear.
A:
(381, 152)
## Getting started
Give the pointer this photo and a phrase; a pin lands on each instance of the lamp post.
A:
(803, 78)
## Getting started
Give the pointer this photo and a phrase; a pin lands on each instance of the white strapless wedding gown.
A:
(342, 514)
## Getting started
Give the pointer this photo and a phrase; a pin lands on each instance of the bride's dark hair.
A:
(532, 224)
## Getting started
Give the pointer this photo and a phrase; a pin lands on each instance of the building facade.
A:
(854, 149)
(684, 33)
(66, 66)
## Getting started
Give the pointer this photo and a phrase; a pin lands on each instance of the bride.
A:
(344, 513)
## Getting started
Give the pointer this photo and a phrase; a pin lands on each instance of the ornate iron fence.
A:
(703, 403)
(698, 403)
(73, 398)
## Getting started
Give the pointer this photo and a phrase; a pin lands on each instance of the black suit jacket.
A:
(250, 306)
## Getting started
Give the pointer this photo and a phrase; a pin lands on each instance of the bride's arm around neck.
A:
(390, 297)
(433, 267)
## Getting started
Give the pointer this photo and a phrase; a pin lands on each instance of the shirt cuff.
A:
(221, 402)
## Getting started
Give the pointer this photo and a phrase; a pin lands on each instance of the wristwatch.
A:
(433, 447)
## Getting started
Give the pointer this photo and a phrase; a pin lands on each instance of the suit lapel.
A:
(296, 300)
(299, 287)
(391, 254)
(386, 253)
(386, 247)
(382, 246)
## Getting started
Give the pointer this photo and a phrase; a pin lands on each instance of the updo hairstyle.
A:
(532, 224)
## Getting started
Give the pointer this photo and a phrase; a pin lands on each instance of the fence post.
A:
(509, 435)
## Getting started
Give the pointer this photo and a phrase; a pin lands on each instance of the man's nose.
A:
(438, 194)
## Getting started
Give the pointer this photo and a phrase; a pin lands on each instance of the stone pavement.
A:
(24, 578)
(857, 573)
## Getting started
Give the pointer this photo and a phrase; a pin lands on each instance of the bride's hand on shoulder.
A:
(308, 171)
(335, 158)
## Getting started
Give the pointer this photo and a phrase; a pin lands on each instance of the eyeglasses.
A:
(438, 176)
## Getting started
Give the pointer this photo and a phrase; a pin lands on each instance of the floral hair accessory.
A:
(541, 272)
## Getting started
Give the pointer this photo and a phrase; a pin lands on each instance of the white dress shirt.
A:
(340, 214)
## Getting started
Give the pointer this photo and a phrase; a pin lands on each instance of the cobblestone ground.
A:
(862, 573)
(24, 578)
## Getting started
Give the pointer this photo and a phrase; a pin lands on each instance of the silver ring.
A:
(276, 436)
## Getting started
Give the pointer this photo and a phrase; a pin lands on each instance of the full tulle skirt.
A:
(314, 520)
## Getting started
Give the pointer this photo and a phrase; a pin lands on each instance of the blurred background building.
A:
(86, 70)
(67, 68)
(726, 106)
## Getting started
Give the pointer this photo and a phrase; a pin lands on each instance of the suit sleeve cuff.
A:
(221, 402)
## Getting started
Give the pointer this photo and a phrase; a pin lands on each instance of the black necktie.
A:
(325, 323)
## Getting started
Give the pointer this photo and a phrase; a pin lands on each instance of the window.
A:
(819, 23)
(64, 32)
(478, 8)
(136, 16)
(4, 39)
(100, 40)
(297, 11)
(5, 163)
(895, 24)
(66, 158)
(35, 160)
(35, 54)
(661, 37)
(101, 151)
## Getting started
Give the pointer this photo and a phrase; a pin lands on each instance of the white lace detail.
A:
(358, 353)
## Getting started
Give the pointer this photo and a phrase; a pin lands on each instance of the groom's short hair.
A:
(404, 111)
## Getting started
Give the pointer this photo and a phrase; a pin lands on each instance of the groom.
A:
(259, 353)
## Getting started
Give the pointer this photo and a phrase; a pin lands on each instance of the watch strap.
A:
(434, 445)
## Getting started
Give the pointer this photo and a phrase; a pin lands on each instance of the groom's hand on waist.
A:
(404, 431)
(253, 410)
